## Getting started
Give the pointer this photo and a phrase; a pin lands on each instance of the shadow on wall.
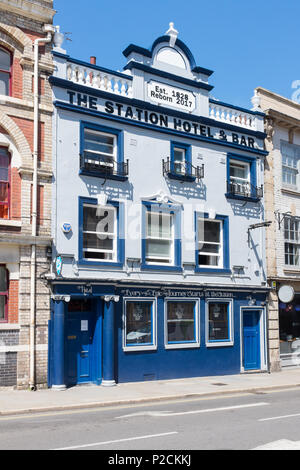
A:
(187, 190)
(113, 190)
(249, 210)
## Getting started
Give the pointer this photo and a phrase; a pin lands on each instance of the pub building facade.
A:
(158, 224)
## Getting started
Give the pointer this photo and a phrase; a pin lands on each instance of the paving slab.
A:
(87, 396)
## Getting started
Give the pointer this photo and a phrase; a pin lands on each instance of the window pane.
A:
(4, 83)
(211, 231)
(206, 260)
(159, 225)
(91, 240)
(2, 306)
(179, 155)
(4, 60)
(158, 248)
(238, 171)
(3, 279)
(218, 321)
(100, 143)
(98, 219)
(138, 323)
(181, 321)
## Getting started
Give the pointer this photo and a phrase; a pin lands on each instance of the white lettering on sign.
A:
(176, 97)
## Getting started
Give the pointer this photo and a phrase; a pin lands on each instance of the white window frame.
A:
(295, 243)
(244, 183)
(287, 168)
(114, 250)
(140, 347)
(182, 162)
(99, 154)
(158, 259)
(203, 242)
(183, 345)
(219, 343)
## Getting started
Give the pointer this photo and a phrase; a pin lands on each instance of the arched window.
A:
(3, 293)
(5, 71)
(4, 183)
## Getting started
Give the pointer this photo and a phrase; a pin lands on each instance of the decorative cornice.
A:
(29, 9)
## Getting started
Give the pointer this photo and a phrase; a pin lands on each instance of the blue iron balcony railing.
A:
(244, 190)
(103, 168)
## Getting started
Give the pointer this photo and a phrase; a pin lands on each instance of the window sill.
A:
(213, 270)
(156, 267)
(292, 270)
(291, 191)
(10, 223)
(182, 345)
(151, 347)
(187, 178)
(4, 325)
(99, 174)
(218, 344)
(241, 198)
(83, 262)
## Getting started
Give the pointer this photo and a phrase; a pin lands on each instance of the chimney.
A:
(93, 60)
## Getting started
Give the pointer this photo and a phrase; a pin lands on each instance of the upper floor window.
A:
(5, 71)
(291, 241)
(101, 237)
(99, 233)
(179, 165)
(3, 293)
(239, 173)
(212, 237)
(4, 183)
(161, 244)
(242, 178)
(290, 165)
(102, 152)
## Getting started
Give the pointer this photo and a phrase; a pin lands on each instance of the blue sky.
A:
(247, 43)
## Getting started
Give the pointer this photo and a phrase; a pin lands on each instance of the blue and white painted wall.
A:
(158, 222)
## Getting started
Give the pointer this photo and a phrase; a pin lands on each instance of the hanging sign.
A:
(176, 97)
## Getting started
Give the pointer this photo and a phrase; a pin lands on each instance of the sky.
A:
(247, 43)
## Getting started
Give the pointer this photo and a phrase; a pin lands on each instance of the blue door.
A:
(82, 351)
(251, 340)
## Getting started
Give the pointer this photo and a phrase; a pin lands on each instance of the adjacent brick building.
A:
(282, 208)
(21, 23)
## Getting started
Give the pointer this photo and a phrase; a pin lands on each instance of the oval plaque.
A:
(286, 294)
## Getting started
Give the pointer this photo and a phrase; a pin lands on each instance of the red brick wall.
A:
(17, 79)
(13, 301)
(15, 195)
(26, 126)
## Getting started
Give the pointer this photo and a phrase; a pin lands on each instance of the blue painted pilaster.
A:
(108, 344)
(58, 381)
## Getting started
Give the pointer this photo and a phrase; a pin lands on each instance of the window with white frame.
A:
(210, 242)
(239, 177)
(139, 324)
(290, 165)
(291, 241)
(179, 160)
(219, 322)
(181, 320)
(99, 233)
(159, 237)
(100, 150)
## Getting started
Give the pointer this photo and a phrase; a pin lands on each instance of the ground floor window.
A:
(3, 293)
(219, 323)
(181, 323)
(139, 325)
(289, 330)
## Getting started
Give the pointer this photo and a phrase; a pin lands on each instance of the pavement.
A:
(14, 401)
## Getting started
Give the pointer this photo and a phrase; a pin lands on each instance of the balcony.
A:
(109, 169)
(244, 191)
(183, 171)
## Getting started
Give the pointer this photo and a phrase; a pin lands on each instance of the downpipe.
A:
(49, 29)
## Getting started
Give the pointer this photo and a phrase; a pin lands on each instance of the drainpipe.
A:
(49, 29)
